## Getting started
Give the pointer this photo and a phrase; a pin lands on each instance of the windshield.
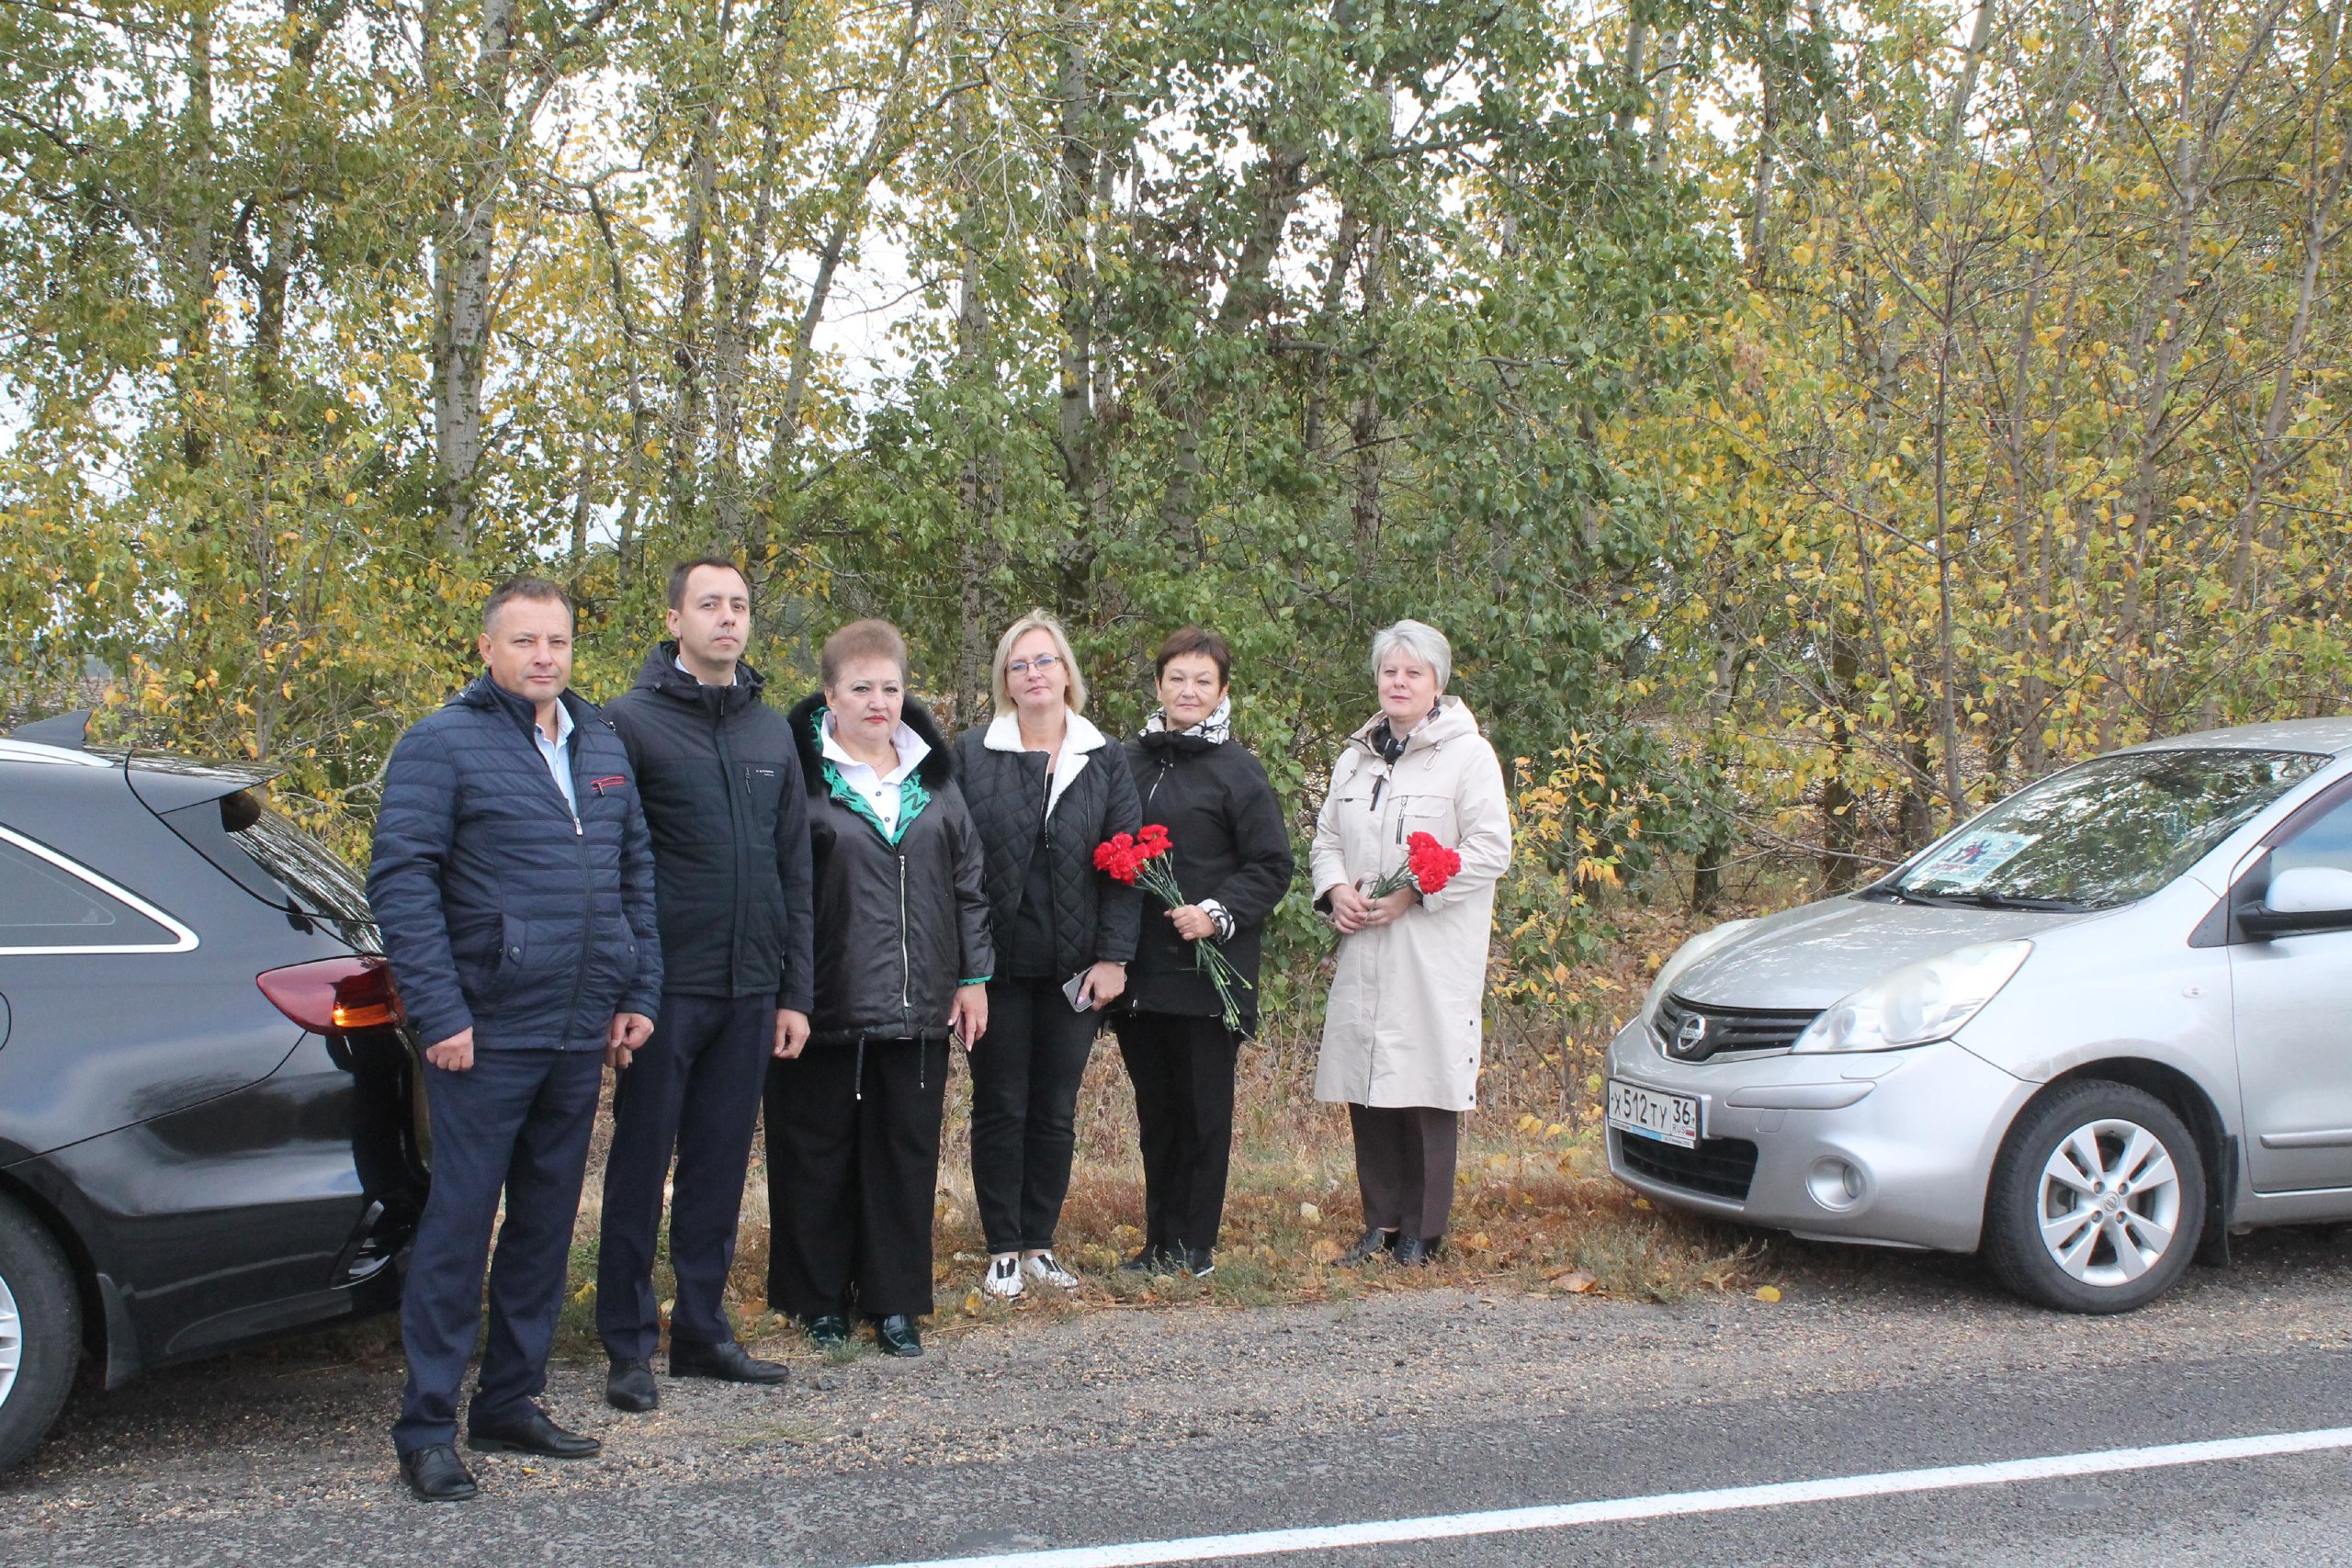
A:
(2108, 832)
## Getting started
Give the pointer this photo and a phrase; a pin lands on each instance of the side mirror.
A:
(2306, 897)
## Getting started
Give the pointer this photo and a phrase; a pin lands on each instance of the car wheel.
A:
(40, 1332)
(2097, 1200)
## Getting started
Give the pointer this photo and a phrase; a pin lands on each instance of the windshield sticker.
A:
(1967, 861)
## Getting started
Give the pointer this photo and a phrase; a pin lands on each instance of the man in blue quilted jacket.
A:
(514, 882)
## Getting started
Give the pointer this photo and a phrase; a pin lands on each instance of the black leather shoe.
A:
(1199, 1262)
(1369, 1246)
(530, 1433)
(827, 1331)
(1413, 1252)
(1149, 1260)
(437, 1476)
(630, 1386)
(897, 1336)
(728, 1363)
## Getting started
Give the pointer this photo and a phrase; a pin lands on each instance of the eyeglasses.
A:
(1044, 664)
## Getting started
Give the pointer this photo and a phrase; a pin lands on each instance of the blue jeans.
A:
(516, 1122)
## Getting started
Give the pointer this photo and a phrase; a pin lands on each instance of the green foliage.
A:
(1805, 427)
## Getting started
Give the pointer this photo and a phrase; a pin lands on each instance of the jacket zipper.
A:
(588, 889)
(587, 881)
(906, 961)
(738, 816)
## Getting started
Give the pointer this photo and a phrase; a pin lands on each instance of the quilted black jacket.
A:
(1230, 844)
(729, 819)
(502, 911)
(1094, 917)
(899, 923)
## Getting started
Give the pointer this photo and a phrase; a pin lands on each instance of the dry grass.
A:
(1535, 1210)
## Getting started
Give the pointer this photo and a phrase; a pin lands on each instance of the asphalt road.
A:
(1122, 1426)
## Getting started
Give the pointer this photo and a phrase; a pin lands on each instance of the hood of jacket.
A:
(662, 675)
(1451, 721)
(936, 767)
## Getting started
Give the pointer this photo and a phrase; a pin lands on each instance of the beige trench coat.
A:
(1406, 1016)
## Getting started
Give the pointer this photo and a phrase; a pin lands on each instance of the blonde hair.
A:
(1073, 695)
(858, 640)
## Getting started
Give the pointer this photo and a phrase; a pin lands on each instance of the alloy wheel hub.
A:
(2108, 1203)
(12, 1341)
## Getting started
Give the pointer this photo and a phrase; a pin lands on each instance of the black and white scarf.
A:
(1215, 730)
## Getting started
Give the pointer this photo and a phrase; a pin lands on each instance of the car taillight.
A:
(334, 995)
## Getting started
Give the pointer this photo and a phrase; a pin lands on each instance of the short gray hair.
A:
(1421, 639)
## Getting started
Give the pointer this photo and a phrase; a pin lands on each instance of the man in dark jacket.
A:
(723, 797)
(514, 883)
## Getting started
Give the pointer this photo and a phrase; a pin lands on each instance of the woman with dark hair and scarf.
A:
(1231, 856)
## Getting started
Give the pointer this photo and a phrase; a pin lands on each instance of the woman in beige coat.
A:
(1402, 1029)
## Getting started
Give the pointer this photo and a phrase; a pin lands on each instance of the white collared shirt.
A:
(557, 754)
(879, 791)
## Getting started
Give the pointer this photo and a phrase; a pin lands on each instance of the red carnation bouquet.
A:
(1140, 859)
(1428, 865)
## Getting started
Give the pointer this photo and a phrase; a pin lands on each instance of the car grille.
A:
(1692, 1031)
(1719, 1168)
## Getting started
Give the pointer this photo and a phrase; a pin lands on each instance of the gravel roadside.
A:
(302, 1428)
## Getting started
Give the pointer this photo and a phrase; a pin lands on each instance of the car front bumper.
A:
(1893, 1148)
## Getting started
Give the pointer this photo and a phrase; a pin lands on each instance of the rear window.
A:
(270, 857)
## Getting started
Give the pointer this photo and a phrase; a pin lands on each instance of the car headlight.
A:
(1689, 952)
(1919, 1003)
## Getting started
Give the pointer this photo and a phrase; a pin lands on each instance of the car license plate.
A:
(1668, 1118)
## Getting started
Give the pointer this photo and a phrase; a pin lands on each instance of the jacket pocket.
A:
(492, 982)
(613, 958)
(763, 788)
(1430, 814)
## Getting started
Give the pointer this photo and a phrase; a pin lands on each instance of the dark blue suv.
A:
(209, 1128)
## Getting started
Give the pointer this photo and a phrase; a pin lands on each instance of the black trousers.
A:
(853, 1136)
(1182, 1070)
(1025, 1073)
(514, 1124)
(693, 1088)
(1404, 1167)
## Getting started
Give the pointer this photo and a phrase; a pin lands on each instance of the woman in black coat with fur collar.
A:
(902, 964)
(1232, 859)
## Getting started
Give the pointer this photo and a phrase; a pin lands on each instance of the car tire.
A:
(2097, 1200)
(40, 1331)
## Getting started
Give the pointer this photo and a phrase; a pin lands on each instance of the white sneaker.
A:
(1046, 1271)
(1003, 1278)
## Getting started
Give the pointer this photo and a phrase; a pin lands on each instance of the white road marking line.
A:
(1670, 1505)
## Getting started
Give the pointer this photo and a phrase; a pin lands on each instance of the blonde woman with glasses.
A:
(1045, 787)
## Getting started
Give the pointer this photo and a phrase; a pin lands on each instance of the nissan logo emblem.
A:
(1688, 1037)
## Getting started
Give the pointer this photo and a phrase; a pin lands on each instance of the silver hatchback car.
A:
(2102, 1026)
